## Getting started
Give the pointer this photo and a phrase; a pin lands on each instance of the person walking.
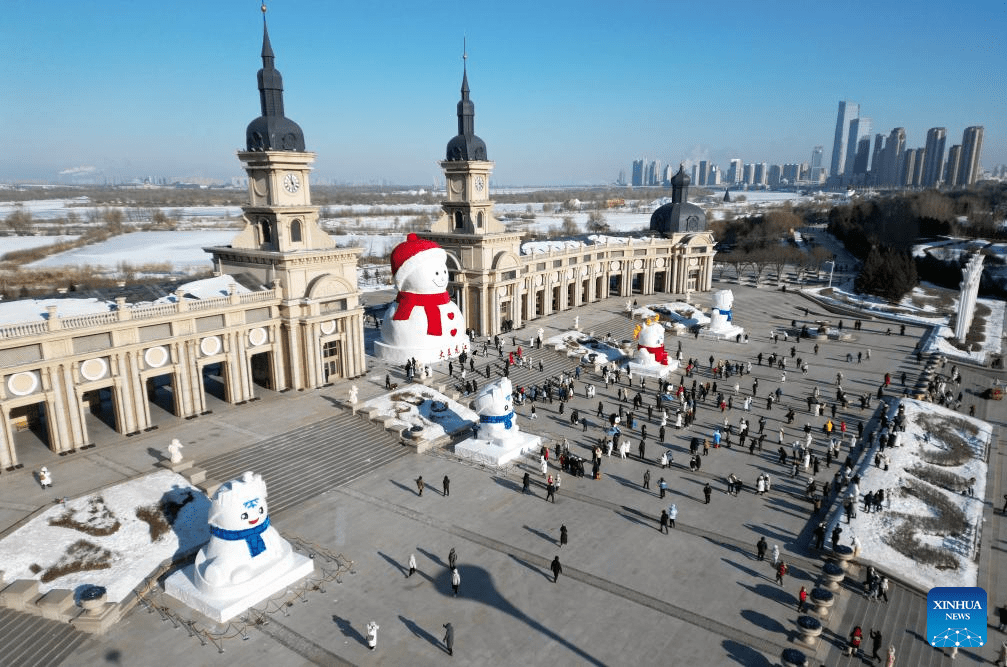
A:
(556, 568)
(664, 521)
(562, 535)
(452, 558)
(1002, 613)
(707, 492)
(550, 491)
(446, 483)
(662, 487)
(456, 580)
(420, 485)
(525, 483)
(45, 479)
(802, 599)
(672, 514)
(781, 570)
(449, 638)
(776, 555)
(760, 548)
(412, 565)
(876, 641)
(890, 662)
(372, 635)
(646, 479)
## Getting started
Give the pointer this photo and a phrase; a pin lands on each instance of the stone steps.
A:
(27, 640)
(305, 462)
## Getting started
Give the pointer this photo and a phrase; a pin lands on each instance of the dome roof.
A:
(466, 145)
(678, 217)
(272, 131)
(680, 178)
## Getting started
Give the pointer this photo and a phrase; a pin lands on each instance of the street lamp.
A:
(832, 267)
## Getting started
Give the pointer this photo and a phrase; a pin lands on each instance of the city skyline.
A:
(562, 92)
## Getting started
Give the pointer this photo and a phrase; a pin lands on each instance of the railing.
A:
(88, 320)
(154, 310)
(257, 297)
(207, 304)
(23, 329)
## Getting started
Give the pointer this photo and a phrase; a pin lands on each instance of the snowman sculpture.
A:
(720, 314)
(245, 561)
(422, 323)
(650, 343)
(499, 439)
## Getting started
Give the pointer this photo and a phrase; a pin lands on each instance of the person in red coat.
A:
(781, 570)
(802, 600)
(856, 636)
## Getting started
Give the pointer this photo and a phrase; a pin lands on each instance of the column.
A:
(8, 455)
(78, 429)
(55, 407)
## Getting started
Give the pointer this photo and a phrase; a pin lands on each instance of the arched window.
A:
(459, 220)
(295, 231)
(479, 220)
(264, 231)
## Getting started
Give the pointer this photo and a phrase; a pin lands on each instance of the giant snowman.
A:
(422, 323)
(246, 559)
(721, 316)
(651, 359)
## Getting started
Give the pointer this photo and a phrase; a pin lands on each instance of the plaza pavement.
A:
(628, 594)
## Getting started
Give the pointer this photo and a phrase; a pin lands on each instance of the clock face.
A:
(291, 183)
(480, 184)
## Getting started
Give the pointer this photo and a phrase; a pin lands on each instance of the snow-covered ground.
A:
(13, 243)
(872, 528)
(130, 554)
(182, 250)
(584, 346)
(909, 312)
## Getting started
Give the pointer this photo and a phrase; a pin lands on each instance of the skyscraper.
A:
(859, 128)
(734, 172)
(933, 164)
(863, 157)
(749, 174)
(953, 168)
(891, 162)
(713, 178)
(816, 157)
(847, 112)
(761, 173)
(972, 146)
(638, 172)
(704, 171)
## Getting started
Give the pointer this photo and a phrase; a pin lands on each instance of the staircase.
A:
(27, 640)
(902, 622)
(302, 463)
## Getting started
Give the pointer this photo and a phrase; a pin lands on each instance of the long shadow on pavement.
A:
(547, 575)
(745, 655)
(410, 491)
(747, 570)
(394, 563)
(346, 627)
(774, 593)
(763, 621)
(421, 633)
(545, 536)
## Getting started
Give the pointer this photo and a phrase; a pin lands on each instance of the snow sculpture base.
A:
(400, 355)
(498, 454)
(221, 609)
(723, 332)
(652, 369)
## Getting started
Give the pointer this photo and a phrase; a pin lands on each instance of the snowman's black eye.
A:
(244, 515)
(262, 510)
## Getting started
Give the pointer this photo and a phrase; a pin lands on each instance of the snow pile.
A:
(33, 310)
(872, 528)
(127, 555)
(423, 407)
(575, 342)
(179, 249)
(208, 288)
(680, 313)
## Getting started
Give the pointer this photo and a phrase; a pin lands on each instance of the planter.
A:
(810, 629)
(93, 597)
(833, 575)
(793, 658)
(823, 600)
(842, 555)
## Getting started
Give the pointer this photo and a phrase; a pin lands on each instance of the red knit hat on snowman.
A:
(407, 257)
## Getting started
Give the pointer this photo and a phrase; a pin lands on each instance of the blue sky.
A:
(565, 92)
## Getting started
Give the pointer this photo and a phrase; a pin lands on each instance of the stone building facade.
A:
(284, 314)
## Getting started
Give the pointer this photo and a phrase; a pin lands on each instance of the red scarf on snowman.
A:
(430, 303)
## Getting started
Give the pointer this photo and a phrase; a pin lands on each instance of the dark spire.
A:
(272, 131)
(680, 186)
(466, 145)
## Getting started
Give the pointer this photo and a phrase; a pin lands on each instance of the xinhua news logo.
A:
(956, 616)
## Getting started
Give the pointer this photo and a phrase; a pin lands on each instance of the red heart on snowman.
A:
(451, 316)
(454, 331)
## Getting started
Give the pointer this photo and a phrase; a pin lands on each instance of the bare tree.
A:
(569, 227)
(596, 222)
(19, 220)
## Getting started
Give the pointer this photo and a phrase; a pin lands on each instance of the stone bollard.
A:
(833, 575)
(823, 600)
(810, 629)
(793, 658)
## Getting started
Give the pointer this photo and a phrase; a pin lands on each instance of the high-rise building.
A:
(876, 159)
(761, 173)
(816, 157)
(791, 173)
(638, 172)
(847, 112)
(652, 174)
(749, 174)
(714, 176)
(695, 173)
(907, 168)
(668, 173)
(933, 165)
(734, 172)
(919, 161)
(891, 160)
(952, 170)
(972, 146)
(859, 128)
(704, 172)
(860, 164)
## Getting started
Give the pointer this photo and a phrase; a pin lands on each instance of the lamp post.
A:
(832, 267)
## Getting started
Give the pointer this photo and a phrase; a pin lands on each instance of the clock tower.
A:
(483, 256)
(283, 247)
